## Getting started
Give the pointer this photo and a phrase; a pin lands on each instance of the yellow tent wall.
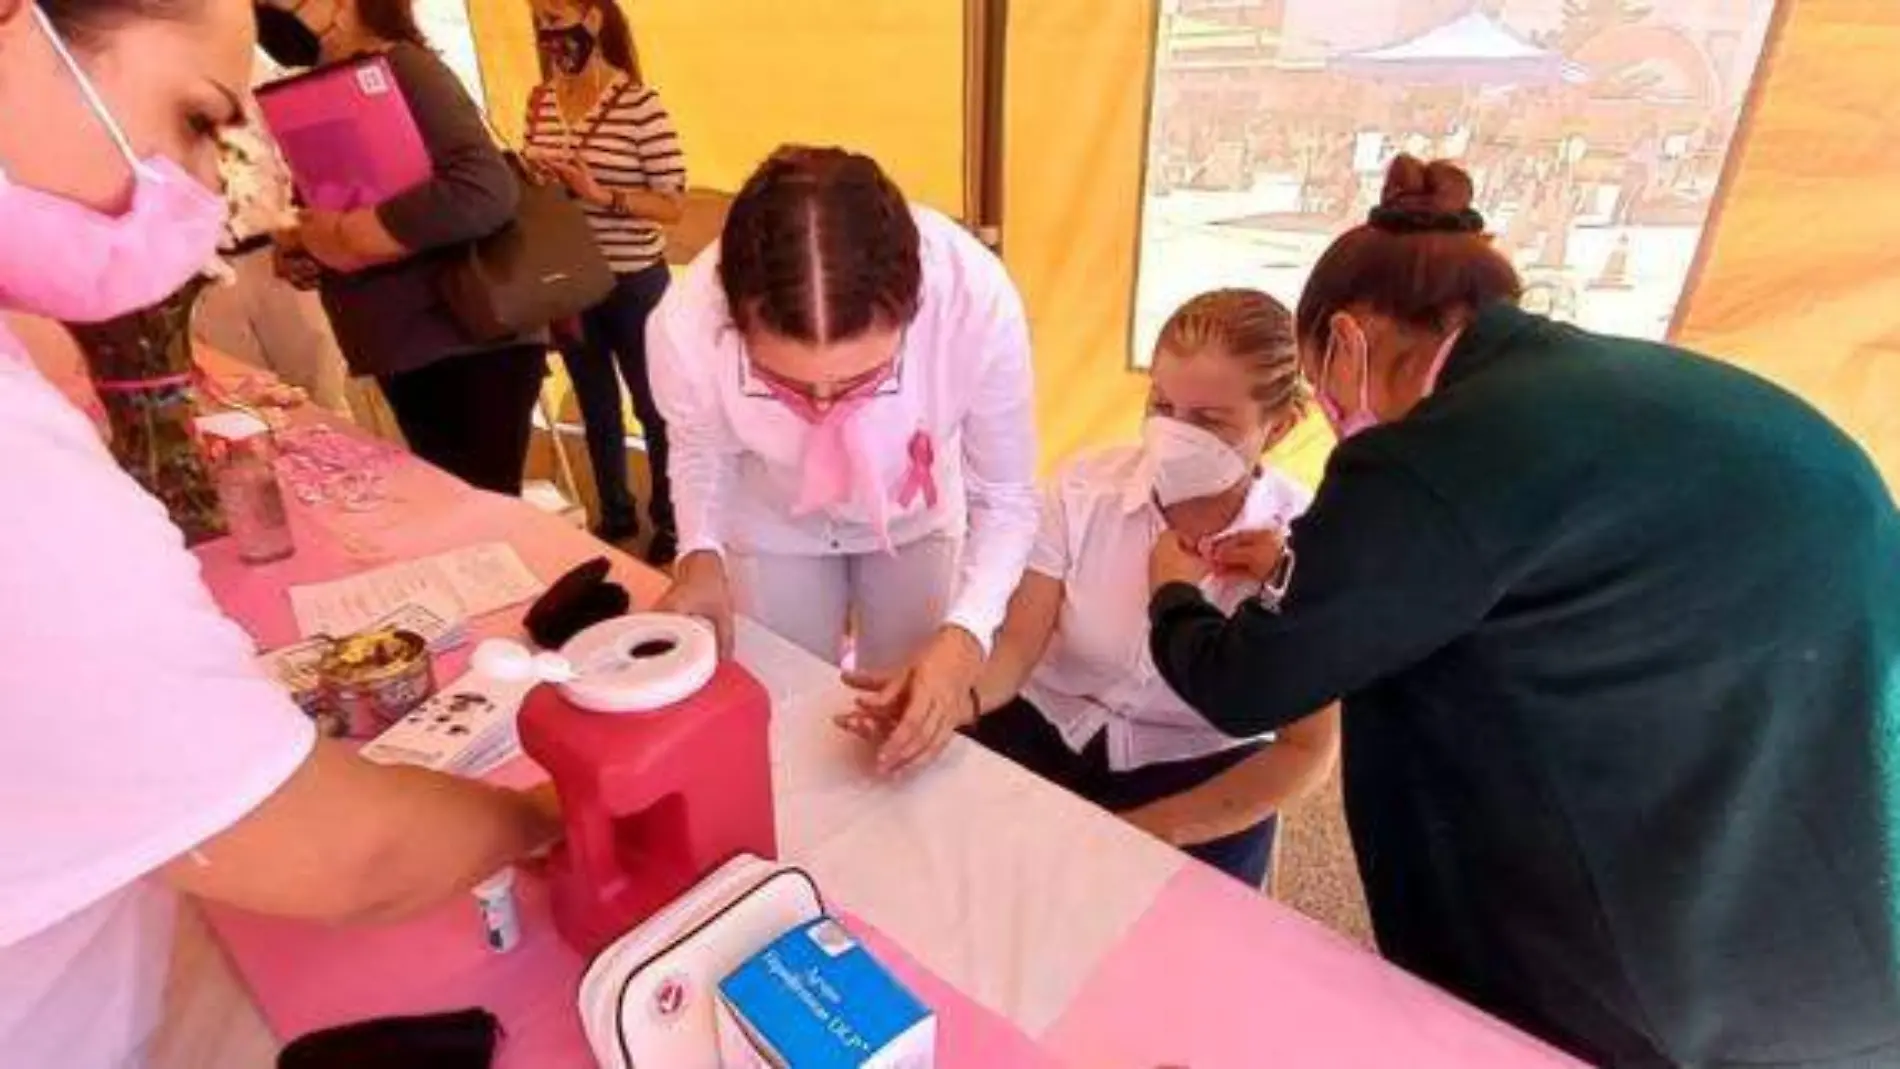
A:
(1075, 141)
(1802, 277)
(1799, 280)
(1074, 138)
(744, 76)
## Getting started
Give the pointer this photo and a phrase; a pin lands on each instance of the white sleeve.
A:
(1294, 499)
(704, 453)
(134, 722)
(999, 460)
(1050, 554)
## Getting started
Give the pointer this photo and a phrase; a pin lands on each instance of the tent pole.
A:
(1738, 144)
(985, 30)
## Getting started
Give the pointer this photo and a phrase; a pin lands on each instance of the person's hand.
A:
(579, 179)
(320, 235)
(912, 715)
(700, 589)
(1253, 555)
(299, 270)
(536, 160)
(538, 172)
(1174, 561)
(292, 263)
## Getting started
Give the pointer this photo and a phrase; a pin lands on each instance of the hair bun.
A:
(1416, 186)
(1421, 197)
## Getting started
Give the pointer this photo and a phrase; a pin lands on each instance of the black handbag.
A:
(543, 267)
(466, 1039)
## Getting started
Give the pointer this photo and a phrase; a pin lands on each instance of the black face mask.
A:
(285, 39)
(568, 49)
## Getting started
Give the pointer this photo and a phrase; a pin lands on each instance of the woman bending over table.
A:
(1617, 629)
(142, 752)
(1070, 692)
(846, 377)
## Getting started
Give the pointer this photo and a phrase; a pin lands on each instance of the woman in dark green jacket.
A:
(1617, 629)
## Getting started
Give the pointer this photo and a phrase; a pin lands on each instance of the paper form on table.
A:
(458, 585)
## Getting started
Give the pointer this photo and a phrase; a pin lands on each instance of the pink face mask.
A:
(69, 262)
(1346, 424)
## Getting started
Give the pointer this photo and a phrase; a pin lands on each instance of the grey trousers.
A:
(895, 601)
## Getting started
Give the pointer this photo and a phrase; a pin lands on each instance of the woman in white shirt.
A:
(846, 378)
(1070, 691)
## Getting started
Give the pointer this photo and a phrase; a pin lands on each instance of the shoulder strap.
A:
(600, 115)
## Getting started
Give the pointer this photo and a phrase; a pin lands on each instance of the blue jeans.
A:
(613, 346)
(1021, 733)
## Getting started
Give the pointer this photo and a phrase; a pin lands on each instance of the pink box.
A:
(347, 133)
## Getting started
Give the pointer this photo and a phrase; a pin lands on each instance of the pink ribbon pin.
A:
(917, 477)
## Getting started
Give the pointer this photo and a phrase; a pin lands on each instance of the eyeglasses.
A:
(882, 381)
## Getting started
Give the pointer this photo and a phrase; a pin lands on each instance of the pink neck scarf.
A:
(835, 468)
(838, 467)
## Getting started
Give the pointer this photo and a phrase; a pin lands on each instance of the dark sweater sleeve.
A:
(1384, 576)
(473, 193)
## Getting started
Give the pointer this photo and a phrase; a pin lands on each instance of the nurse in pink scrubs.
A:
(845, 378)
(142, 753)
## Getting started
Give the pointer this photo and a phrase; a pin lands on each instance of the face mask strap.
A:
(93, 100)
(1365, 372)
(1365, 380)
(1323, 388)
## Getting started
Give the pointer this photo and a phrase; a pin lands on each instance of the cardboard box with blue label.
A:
(816, 999)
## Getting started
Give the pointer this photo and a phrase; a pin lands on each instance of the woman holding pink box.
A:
(465, 406)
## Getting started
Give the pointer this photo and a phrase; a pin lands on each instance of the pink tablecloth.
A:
(1019, 912)
(306, 977)
(1241, 984)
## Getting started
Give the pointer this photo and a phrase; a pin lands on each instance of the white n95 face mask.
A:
(1187, 462)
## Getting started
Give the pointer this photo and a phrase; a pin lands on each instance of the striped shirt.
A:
(628, 141)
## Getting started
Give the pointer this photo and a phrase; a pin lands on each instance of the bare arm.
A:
(347, 242)
(659, 206)
(1293, 765)
(1020, 644)
(659, 194)
(625, 198)
(345, 840)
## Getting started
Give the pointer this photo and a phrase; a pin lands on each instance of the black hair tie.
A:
(1407, 221)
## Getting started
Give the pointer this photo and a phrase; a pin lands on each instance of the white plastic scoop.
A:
(632, 664)
(511, 662)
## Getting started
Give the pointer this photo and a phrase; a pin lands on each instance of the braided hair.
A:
(820, 246)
